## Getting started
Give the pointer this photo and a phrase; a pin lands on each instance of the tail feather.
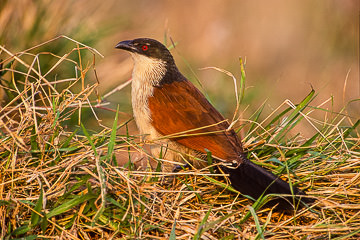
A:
(254, 181)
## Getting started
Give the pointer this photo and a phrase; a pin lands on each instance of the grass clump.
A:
(58, 177)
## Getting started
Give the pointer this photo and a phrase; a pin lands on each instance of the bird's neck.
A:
(148, 71)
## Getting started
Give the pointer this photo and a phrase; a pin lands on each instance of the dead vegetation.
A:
(59, 179)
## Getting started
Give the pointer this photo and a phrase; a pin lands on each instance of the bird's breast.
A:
(139, 97)
(147, 72)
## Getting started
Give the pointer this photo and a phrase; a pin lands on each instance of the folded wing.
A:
(179, 110)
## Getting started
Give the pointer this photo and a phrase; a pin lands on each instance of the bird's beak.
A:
(126, 45)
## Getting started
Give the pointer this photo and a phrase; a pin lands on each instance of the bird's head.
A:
(146, 47)
(153, 61)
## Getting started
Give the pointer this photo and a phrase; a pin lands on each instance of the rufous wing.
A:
(179, 110)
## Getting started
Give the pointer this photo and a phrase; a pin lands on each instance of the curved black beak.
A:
(126, 45)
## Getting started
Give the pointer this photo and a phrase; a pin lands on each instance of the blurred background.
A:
(289, 47)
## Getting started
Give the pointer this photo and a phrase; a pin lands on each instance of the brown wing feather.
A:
(180, 106)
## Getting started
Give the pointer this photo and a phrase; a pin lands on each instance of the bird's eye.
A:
(145, 47)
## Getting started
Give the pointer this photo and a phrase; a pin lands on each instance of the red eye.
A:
(145, 47)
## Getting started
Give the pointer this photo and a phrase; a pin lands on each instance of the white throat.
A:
(147, 69)
(147, 72)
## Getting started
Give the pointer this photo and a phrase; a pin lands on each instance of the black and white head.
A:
(152, 59)
(147, 47)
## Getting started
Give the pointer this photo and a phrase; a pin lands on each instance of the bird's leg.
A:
(178, 168)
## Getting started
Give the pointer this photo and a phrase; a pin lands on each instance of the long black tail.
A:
(253, 180)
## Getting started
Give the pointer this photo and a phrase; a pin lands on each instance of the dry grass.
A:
(61, 181)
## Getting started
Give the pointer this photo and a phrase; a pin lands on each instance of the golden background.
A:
(288, 46)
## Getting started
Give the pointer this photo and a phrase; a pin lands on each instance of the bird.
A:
(171, 112)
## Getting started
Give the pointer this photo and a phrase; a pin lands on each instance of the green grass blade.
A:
(34, 144)
(89, 139)
(201, 228)
(67, 142)
(172, 234)
(242, 80)
(277, 118)
(209, 160)
(257, 223)
(255, 118)
(70, 204)
(349, 130)
(302, 149)
(2, 71)
(112, 139)
(293, 116)
(35, 217)
(21, 230)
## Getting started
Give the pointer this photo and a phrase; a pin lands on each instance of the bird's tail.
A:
(254, 181)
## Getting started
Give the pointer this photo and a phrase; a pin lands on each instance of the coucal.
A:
(171, 111)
